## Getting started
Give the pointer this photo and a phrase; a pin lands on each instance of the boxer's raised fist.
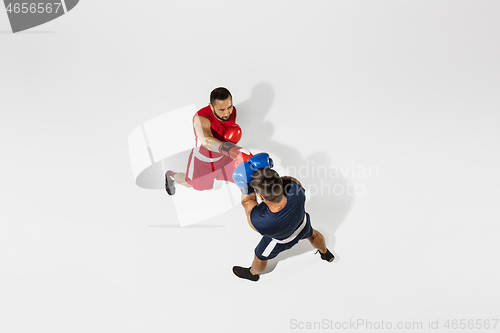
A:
(233, 133)
(242, 177)
(243, 173)
(261, 160)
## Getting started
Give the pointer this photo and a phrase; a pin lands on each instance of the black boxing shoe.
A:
(169, 184)
(244, 273)
(328, 256)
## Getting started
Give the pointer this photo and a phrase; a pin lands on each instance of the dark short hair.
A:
(220, 94)
(267, 182)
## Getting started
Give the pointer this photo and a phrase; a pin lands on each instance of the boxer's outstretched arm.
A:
(204, 133)
(249, 202)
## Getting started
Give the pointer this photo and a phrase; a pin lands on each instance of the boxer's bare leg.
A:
(318, 241)
(180, 178)
(258, 266)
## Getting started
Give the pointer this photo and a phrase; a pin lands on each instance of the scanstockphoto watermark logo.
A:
(337, 180)
(25, 15)
(331, 180)
(356, 324)
(448, 324)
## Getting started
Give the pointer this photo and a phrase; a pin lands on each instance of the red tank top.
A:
(218, 129)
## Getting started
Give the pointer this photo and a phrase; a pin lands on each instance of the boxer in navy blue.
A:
(280, 218)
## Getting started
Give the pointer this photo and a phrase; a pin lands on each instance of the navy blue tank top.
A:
(282, 224)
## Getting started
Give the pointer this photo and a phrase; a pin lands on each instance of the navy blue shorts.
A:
(278, 248)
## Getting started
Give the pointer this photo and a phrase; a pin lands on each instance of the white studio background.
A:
(408, 88)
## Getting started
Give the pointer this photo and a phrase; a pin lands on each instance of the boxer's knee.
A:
(180, 178)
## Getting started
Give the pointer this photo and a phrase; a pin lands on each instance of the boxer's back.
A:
(282, 224)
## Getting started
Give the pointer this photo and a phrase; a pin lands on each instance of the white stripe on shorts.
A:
(203, 158)
(191, 167)
(272, 244)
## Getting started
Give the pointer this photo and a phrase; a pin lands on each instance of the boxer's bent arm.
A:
(249, 202)
(292, 179)
(204, 133)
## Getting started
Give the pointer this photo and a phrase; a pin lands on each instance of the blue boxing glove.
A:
(242, 177)
(243, 173)
(261, 160)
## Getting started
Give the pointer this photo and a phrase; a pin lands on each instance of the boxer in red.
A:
(215, 152)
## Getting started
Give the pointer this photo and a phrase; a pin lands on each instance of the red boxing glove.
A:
(243, 156)
(233, 133)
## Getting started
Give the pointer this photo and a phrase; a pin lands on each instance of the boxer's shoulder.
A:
(205, 112)
(295, 193)
(201, 119)
(259, 211)
(258, 216)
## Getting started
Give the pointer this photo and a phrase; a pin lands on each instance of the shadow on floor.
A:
(330, 194)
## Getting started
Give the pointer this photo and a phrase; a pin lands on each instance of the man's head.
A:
(267, 183)
(221, 103)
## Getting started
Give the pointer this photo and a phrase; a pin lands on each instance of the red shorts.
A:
(202, 171)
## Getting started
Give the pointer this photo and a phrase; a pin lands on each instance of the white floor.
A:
(400, 98)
